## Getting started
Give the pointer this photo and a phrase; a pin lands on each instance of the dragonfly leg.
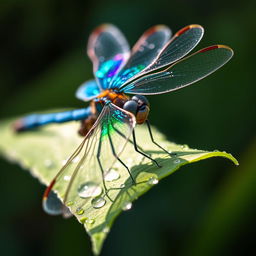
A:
(129, 140)
(102, 171)
(152, 138)
(114, 153)
(136, 149)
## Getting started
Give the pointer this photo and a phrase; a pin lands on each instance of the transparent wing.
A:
(108, 50)
(88, 90)
(83, 176)
(143, 53)
(54, 206)
(182, 73)
(179, 46)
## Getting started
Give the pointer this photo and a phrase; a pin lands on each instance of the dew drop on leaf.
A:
(76, 159)
(69, 203)
(79, 211)
(89, 221)
(185, 146)
(48, 163)
(111, 175)
(106, 230)
(153, 181)
(176, 161)
(98, 202)
(66, 177)
(127, 206)
(83, 220)
(89, 189)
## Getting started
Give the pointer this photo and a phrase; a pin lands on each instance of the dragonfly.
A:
(157, 64)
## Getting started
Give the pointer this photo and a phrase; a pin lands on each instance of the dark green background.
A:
(206, 208)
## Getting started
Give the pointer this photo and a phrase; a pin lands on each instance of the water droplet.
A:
(111, 175)
(69, 203)
(151, 46)
(127, 206)
(106, 229)
(216, 150)
(98, 202)
(83, 220)
(153, 181)
(122, 185)
(48, 163)
(89, 221)
(185, 146)
(89, 189)
(66, 177)
(76, 159)
(79, 211)
(177, 161)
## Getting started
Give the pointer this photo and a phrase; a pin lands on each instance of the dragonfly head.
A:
(139, 106)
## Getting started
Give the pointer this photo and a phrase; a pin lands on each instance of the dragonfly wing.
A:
(88, 90)
(83, 174)
(143, 53)
(53, 205)
(184, 41)
(179, 46)
(182, 73)
(108, 50)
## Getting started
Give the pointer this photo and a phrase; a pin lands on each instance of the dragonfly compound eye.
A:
(142, 100)
(131, 106)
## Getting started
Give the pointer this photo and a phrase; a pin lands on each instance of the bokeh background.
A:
(207, 208)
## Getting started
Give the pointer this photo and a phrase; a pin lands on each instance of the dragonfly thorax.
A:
(139, 106)
(97, 105)
(113, 96)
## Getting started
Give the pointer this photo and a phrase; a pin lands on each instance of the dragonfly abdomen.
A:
(36, 120)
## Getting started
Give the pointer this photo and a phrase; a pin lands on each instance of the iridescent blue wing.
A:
(85, 175)
(108, 50)
(88, 90)
(143, 53)
(182, 73)
(180, 45)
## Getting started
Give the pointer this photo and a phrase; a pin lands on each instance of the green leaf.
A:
(44, 151)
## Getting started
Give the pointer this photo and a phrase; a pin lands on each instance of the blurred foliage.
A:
(43, 61)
